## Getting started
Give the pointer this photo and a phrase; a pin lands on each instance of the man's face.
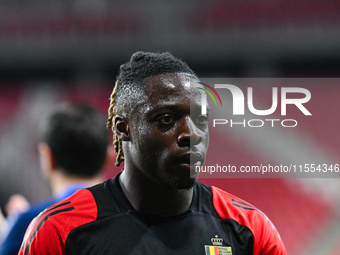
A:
(168, 135)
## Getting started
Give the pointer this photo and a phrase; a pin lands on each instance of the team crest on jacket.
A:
(217, 248)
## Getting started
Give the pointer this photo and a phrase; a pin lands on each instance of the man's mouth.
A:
(191, 159)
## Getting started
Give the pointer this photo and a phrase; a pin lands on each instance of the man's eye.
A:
(202, 119)
(167, 119)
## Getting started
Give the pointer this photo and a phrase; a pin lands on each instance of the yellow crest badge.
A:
(217, 248)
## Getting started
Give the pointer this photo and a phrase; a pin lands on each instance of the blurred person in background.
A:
(74, 145)
(16, 204)
(2, 222)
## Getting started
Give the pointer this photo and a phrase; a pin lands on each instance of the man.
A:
(153, 206)
(73, 148)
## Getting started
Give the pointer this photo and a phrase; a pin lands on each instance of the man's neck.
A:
(148, 197)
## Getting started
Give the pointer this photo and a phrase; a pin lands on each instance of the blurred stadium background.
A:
(54, 51)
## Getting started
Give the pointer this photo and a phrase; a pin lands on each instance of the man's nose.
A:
(189, 134)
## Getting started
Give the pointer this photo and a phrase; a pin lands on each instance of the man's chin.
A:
(181, 185)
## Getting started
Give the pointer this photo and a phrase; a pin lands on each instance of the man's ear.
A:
(122, 128)
(47, 160)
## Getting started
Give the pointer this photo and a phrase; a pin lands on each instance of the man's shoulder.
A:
(76, 207)
(49, 208)
(35, 209)
(227, 204)
(60, 218)
(230, 207)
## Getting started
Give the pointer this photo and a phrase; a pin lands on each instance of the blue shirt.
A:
(19, 223)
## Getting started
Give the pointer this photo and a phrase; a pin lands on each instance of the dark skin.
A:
(162, 141)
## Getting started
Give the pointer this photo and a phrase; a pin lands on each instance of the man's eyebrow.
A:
(164, 106)
(174, 107)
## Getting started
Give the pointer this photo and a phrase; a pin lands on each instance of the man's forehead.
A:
(168, 91)
(169, 83)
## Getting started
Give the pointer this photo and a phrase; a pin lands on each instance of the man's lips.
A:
(191, 159)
